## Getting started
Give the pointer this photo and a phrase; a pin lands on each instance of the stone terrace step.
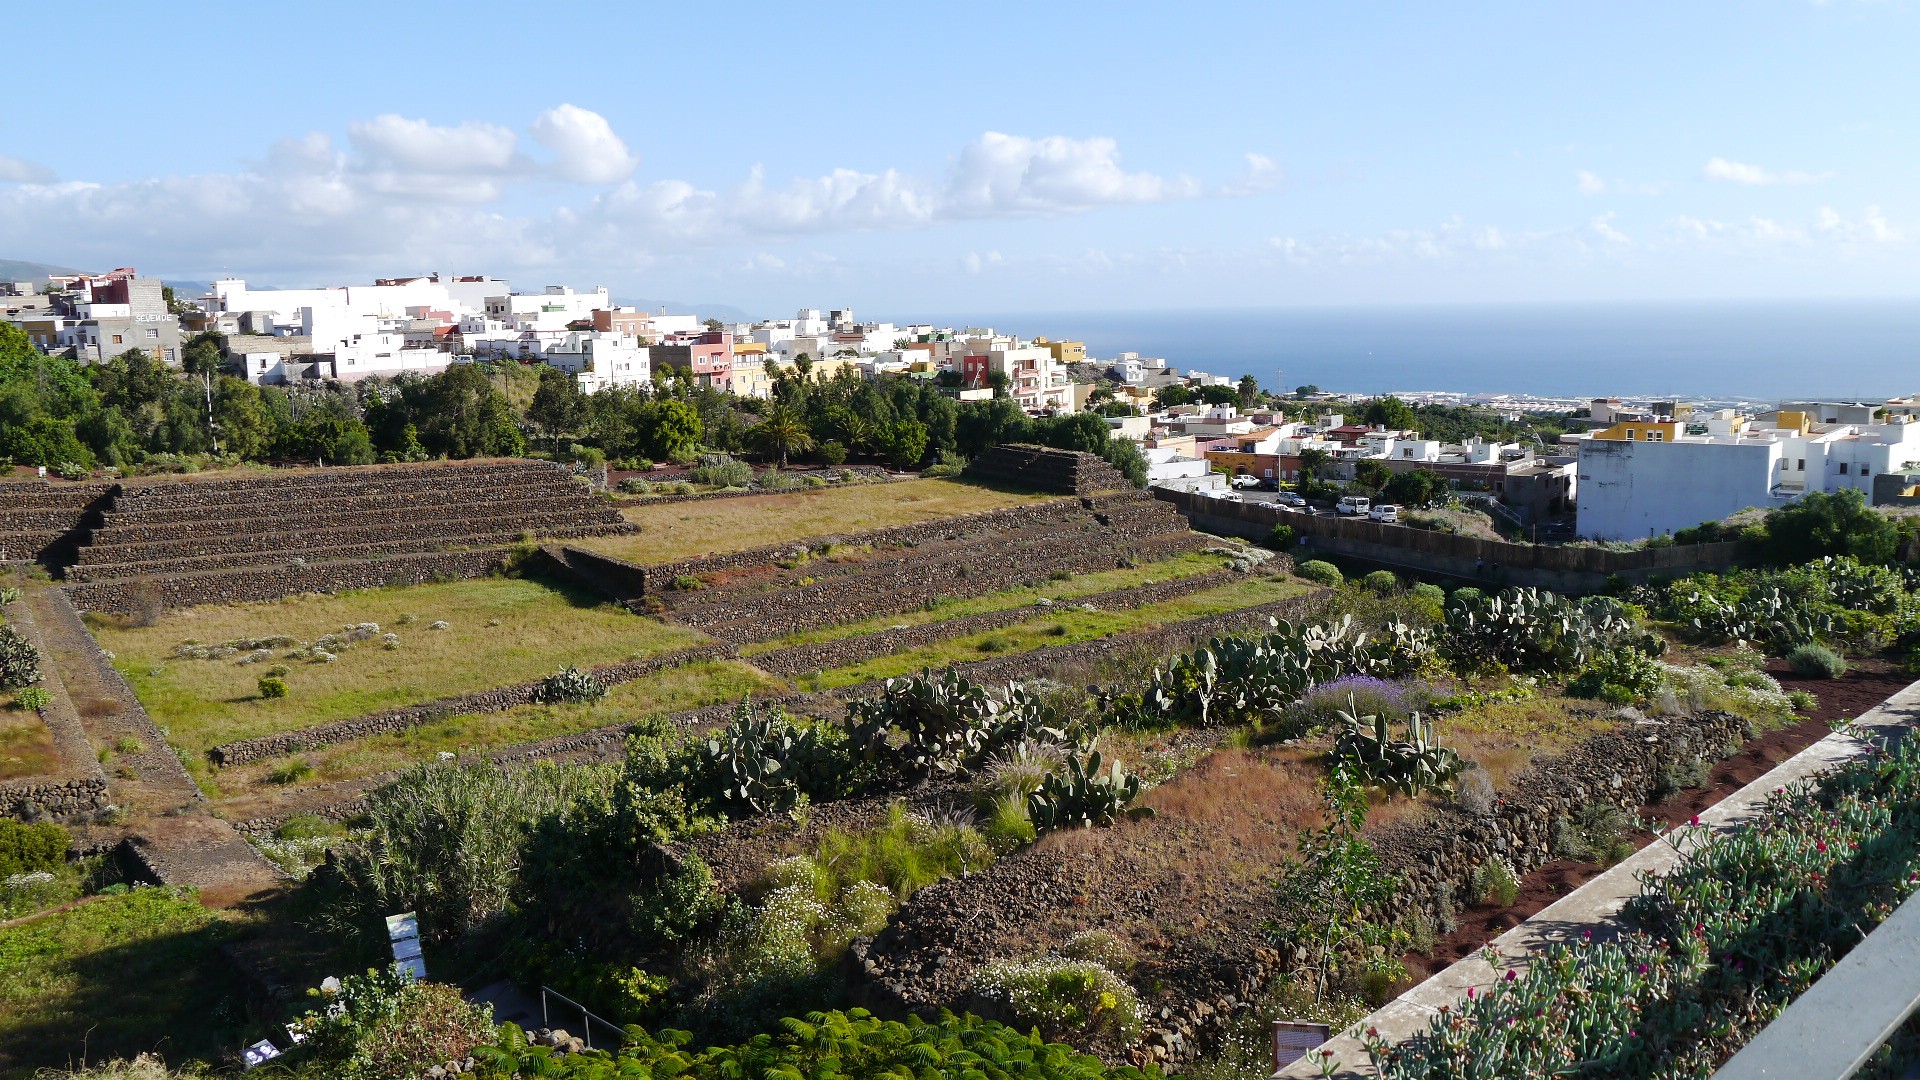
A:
(128, 530)
(446, 523)
(33, 495)
(314, 482)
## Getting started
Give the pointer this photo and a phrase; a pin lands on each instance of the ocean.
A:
(1700, 351)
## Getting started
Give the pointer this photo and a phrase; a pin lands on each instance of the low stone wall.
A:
(449, 524)
(485, 701)
(39, 521)
(130, 595)
(1564, 569)
(139, 523)
(827, 655)
(868, 473)
(158, 491)
(1043, 468)
(34, 797)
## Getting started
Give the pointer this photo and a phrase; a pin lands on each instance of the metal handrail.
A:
(1830, 1031)
(590, 1017)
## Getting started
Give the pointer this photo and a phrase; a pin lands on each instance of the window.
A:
(1656, 436)
(116, 339)
(153, 335)
(1801, 466)
(1843, 468)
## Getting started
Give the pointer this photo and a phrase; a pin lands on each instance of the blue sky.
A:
(998, 157)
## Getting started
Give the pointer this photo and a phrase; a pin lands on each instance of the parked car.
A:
(1353, 504)
(1243, 482)
(1291, 498)
(1386, 512)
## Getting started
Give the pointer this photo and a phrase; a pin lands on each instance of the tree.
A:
(1835, 523)
(782, 432)
(559, 407)
(1305, 391)
(1415, 487)
(1249, 391)
(203, 353)
(668, 429)
(1312, 460)
(1389, 412)
(1168, 396)
(1372, 473)
(904, 442)
(804, 365)
(1219, 395)
(981, 424)
(240, 417)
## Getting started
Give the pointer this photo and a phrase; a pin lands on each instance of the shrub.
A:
(33, 699)
(1429, 591)
(679, 904)
(1281, 537)
(1099, 947)
(831, 453)
(1802, 701)
(272, 686)
(721, 470)
(1007, 827)
(387, 1026)
(635, 485)
(1065, 999)
(1596, 832)
(1382, 582)
(904, 854)
(1495, 883)
(30, 849)
(1475, 793)
(688, 582)
(1816, 661)
(292, 772)
(1321, 572)
(1466, 596)
(1363, 695)
(570, 685)
(19, 660)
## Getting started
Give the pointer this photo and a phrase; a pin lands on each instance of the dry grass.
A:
(685, 687)
(1506, 737)
(1174, 569)
(501, 631)
(26, 746)
(688, 530)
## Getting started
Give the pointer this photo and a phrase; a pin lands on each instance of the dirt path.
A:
(168, 822)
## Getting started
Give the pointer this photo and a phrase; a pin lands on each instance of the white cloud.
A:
(420, 147)
(1591, 184)
(998, 175)
(586, 149)
(1263, 175)
(1737, 172)
(19, 170)
(1871, 227)
(1602, 227)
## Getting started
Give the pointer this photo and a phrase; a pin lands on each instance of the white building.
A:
(598, 360)
(1643, 479)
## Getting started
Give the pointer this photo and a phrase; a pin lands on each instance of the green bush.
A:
(273, 686)
(903, 855)
(570, 685)
(1816, 661)
(30, 849)
(1007, 827)
(387, 1026)
(1466, 596)
(1281, 537)
(33, 699)
(1495, 883)
(19, 660)
(1427, 590)
(1382, 582)
(831, 453)
(721, 470)
(635, 485)
(1596, 832)
(1618, 676)
(676, 906)
(1321, 572)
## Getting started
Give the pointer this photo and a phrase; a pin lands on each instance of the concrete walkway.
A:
(1595, 907)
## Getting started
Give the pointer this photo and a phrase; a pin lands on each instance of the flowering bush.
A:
(1362, 695)
(386, 1026)
(1737, 931)
(1063, 998)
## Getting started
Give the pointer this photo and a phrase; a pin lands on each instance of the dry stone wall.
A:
(1043, 468)
(126, 596)
(40, 521)
(34, 798)
(485, 701)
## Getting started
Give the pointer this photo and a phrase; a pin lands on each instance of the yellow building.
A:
(1642, 431)
(1065, 352)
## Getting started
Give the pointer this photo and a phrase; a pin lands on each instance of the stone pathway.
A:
(1596, 905)
(168, 824)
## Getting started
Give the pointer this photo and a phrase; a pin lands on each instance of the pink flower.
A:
(1820, 845)
(1469, 993)
(1694, 820)
(1641, 970)
(1511, 975)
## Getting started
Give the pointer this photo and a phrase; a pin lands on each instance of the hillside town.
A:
(1616, 471)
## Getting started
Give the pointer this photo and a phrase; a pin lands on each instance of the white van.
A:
(1353, 504)
(1386, 512)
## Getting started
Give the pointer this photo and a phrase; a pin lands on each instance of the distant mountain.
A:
(15, 270)
(188, 290)
(723, 312)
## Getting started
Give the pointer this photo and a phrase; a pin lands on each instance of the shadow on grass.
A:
(64, 1001)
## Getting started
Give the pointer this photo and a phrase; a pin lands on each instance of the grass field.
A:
(685, 687)
(1066, 627)
(688, 530)
(500, 631)
(1183, 566)
(115, 977)
(26, 746)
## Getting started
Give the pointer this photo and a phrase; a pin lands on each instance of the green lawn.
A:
(1183, 566)
(500, 631)
(675, 689)
(1065, 627)
(115, 977)
(687, 530)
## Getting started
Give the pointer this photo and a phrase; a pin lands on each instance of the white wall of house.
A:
(600, 360)
(1635, 490)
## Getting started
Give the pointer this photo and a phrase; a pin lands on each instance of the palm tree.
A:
(781, 432)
